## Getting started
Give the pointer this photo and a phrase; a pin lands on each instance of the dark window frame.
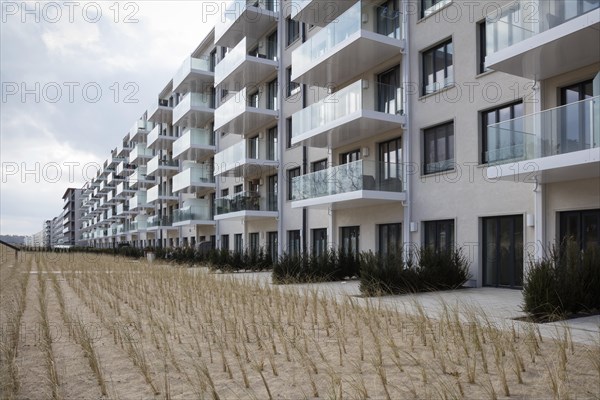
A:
(291, 174)
(485, 122)
(444, 46)
(449, 147)
(435, 241)
(292, 30)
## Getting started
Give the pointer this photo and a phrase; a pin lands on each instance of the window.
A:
(439, 148)
(288, 132)
(253, 148)
(429, 7)
(272, 95)
(293, 30)
(576, 127)
(294, 243)
(272, 46)
(254, 242)
(213, 60)
(501, 144)
(253, 99)
(318, 165)
(292, 87)
(319, 241)
(238, 243)
(390, 239)
(389, 95)
(292, 173)
(482, 51)
(582, 226)
(350, 236)
(390, 165)
(438, 69)
(224, 192)
(272, 193)
(225, 242)
(439, 235)
(272, 242)
(349, 157)
(388, 19)
(238, 188)
(272, 150)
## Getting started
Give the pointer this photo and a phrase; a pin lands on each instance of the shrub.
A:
(391, 274)
(332, 265)
(565, 281)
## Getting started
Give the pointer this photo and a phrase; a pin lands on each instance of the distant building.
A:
(71, 221)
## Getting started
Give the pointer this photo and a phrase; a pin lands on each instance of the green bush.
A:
(566, 281)
(333, 265)
(392, 274)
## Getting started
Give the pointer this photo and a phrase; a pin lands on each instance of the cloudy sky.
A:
(75, 77)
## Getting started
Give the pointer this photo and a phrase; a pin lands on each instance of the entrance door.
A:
(503, 251)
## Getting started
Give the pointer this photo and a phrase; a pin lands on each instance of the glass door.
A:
(574, 120)
(389, 96)
(503, 251)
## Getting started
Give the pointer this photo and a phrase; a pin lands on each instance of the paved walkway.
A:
(500, 306)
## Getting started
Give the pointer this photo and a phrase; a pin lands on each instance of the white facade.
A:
(408, 123)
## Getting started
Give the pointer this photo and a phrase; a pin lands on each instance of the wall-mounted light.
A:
(414, 227)
(530, 220)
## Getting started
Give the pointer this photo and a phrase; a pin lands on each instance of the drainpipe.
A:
(406, 134)
(281, 141)
(539, 192)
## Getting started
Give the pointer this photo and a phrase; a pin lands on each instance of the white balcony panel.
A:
(194, 75)
(561, 36)
(238, 69)
(195, 110)
(237, 116)
(245, 18)
(194, 144)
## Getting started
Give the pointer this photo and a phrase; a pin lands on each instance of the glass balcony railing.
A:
(140, 151)
(236, 9)
(140, 126)
(158, 191)
(353, 98)
(523, 19)
(346, 178)
(122, 208)
(239, 154)
(192, 138)
(560, 130)
(157, 133)
(159, 162)
(158, 221)
(190, 101)
(245, 201)
(193, 213)
(190, 65)
(194, 176)
(360, 16)
(139, 200)
(237, 56)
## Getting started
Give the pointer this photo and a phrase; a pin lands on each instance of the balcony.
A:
(194, 212)
(160, 138)
(140, 154)
(160, 112)
(194, 110)
(246, 158)
(239, 68)
(238, 115)
(139, 201)
(356, 112)
(194, 176)
(111, 199)
(158, 221)
(245, 18)
(125, 168)
(525, 37)
(356, 184)
(140, 179)
(123, 190)
(139, 225)
(559, 144)
(330, 55)
(319, 12)
(158, 193)
(194, 75)
(123, 210)
(139, 130)
(194, 144)
(113, 177)
(162, 166)
(105, 187)
(246, 205)
(124, 148)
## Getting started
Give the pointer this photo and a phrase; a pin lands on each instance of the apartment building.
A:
(71, 221)
(369, 125)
